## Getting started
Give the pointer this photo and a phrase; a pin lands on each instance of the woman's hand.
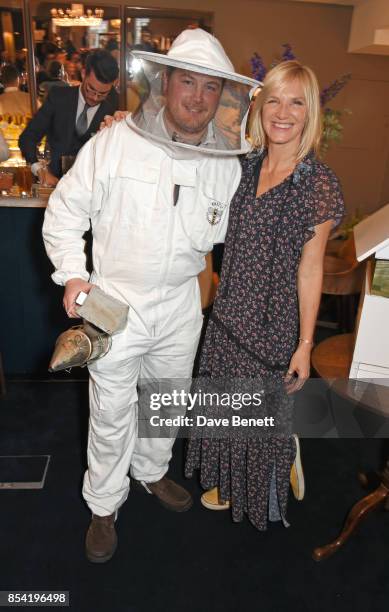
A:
(300, 364)
(109, 119)
(72, 289)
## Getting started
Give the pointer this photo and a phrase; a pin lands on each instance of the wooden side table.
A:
(342, 278)
(332, 359)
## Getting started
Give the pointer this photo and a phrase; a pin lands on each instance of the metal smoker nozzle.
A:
(102, 316)
(78, 346)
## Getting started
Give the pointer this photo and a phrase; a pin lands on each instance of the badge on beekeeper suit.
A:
(215, 212)
(82, 344)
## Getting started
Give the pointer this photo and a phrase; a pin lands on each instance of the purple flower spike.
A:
(287, 53)
(258, 69)
(332, 90)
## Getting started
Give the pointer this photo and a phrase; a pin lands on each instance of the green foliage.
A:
(332, 128)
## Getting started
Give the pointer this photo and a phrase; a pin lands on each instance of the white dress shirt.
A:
(35, 167)
(92, 110)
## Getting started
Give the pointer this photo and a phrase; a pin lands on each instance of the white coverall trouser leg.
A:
(113, 445)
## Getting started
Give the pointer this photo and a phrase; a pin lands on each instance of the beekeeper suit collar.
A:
(192, 101)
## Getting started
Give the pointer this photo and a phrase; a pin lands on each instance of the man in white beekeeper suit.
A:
(155, 188)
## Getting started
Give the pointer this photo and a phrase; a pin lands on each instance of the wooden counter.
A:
(11, 201)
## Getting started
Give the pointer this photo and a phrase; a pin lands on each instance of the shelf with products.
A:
(11, 127)
(15, 174)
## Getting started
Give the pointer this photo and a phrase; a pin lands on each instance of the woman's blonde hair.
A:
(283, 73)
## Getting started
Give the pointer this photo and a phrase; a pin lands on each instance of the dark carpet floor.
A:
(198, 561)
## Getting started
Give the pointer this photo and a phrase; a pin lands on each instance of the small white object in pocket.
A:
(81, 298)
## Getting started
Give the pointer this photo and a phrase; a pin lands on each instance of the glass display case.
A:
(15, 100)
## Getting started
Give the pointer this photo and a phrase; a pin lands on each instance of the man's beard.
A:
(197, 127)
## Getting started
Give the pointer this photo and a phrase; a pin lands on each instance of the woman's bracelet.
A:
(304, 341)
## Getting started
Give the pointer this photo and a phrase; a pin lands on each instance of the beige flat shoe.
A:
(210, 499)
(297, 481)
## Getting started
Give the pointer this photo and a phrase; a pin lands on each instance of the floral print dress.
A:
(254, 326)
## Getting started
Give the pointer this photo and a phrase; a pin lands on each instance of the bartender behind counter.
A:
(71, 115)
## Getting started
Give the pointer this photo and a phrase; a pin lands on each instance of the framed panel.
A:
(15, 98)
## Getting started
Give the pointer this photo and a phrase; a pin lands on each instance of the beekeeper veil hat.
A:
(191, 99)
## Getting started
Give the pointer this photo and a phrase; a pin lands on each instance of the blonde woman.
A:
(264, 315)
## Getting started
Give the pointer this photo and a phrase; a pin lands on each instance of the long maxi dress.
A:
(253, 330)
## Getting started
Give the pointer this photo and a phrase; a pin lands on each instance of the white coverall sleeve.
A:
(71, 206)
(233, 184)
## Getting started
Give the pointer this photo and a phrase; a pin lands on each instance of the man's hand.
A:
(46, 178)
(109, 119)
(72, 289)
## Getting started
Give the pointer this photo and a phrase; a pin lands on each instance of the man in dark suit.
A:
(71, 115)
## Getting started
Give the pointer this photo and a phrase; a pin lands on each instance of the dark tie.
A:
(82, 121)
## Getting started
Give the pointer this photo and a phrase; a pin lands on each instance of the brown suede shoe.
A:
(101, 540)
(171, 495)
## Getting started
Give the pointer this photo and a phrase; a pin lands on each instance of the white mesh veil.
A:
(208, 90)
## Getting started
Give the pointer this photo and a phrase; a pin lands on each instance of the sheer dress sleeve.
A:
(325, 201)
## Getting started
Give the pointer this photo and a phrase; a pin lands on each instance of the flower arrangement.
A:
(332, 126)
